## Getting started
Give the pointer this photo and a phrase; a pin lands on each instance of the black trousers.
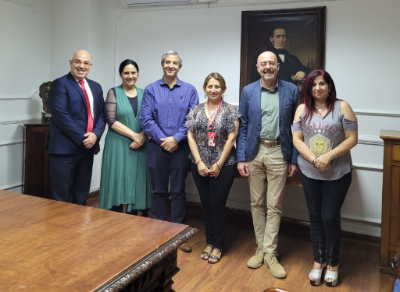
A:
(71, 175)
(213, 195)
(324, 201)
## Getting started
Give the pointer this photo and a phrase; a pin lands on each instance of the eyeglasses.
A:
(79, 62)
(271, 64)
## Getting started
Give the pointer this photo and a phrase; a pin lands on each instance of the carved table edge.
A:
(126, 277)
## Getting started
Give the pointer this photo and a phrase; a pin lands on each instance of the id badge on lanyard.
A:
(211, 134)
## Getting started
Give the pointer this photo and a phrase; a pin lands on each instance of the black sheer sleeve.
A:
(110, 108)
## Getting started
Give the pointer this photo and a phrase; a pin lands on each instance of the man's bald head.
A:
(79, 53)
(267, 54)
(268, 66)
(80, 64)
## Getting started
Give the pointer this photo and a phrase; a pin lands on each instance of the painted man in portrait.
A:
(290, 67)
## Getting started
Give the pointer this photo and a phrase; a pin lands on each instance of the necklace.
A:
(320, 109)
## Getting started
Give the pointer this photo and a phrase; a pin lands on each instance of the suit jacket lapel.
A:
(257, 100)
(281, 94)
(77, 87)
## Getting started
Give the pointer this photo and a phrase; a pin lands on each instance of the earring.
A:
(205, 95)
(330, 95)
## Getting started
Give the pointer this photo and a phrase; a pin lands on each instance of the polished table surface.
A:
(54, 246)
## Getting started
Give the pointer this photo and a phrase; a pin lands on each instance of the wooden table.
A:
(54, 246)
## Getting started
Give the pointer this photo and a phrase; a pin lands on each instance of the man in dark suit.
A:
(77, 123)
(265, 152)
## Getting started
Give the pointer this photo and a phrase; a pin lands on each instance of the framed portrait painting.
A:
(296, 36)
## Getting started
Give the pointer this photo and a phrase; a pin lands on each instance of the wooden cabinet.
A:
(37, 163)
(390, 227)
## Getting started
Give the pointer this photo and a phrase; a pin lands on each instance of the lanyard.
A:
(212, 117)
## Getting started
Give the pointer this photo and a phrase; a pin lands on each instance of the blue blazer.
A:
(250, 122)
(69, 115)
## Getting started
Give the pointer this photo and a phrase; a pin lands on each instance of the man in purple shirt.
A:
(165, 105)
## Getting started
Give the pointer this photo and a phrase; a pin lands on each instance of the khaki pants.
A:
(268, 165)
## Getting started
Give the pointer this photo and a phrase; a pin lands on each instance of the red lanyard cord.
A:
(212, 116)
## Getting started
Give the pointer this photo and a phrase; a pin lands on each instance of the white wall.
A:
(24, 54)
(209, 40)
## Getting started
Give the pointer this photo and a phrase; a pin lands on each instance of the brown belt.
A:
(270, 144)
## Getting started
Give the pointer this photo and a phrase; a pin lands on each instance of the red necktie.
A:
(89, 112)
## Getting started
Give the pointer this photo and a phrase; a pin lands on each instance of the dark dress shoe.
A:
(185, 247)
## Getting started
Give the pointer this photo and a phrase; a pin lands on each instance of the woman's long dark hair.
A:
(307, 98)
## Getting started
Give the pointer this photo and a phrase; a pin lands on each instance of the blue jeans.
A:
(324, 201)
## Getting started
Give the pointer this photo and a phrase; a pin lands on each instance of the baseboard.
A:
(93, 194)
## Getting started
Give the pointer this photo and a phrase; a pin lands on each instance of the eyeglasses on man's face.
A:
(80, 62)
(265, 64)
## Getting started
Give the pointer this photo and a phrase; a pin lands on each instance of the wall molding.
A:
(365, 112)
(95, 189)
(12, 186)
(10, 143)
(194, 5)
(18, 119)
(29, 95)
(377, 113)
(370, 140)
(365, 166)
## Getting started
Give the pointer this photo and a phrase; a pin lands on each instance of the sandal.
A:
(205, 255)
(214, 257)
(333, 276)
(316, 276)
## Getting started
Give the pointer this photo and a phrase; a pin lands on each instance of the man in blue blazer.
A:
(77, 123)
(265, 152)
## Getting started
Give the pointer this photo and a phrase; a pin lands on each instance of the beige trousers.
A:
(268, 165)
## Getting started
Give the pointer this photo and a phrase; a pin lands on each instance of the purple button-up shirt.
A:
(163, 110)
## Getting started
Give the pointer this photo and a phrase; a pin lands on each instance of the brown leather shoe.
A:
(185, 247)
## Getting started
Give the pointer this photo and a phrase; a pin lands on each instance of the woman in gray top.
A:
(324, 131)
